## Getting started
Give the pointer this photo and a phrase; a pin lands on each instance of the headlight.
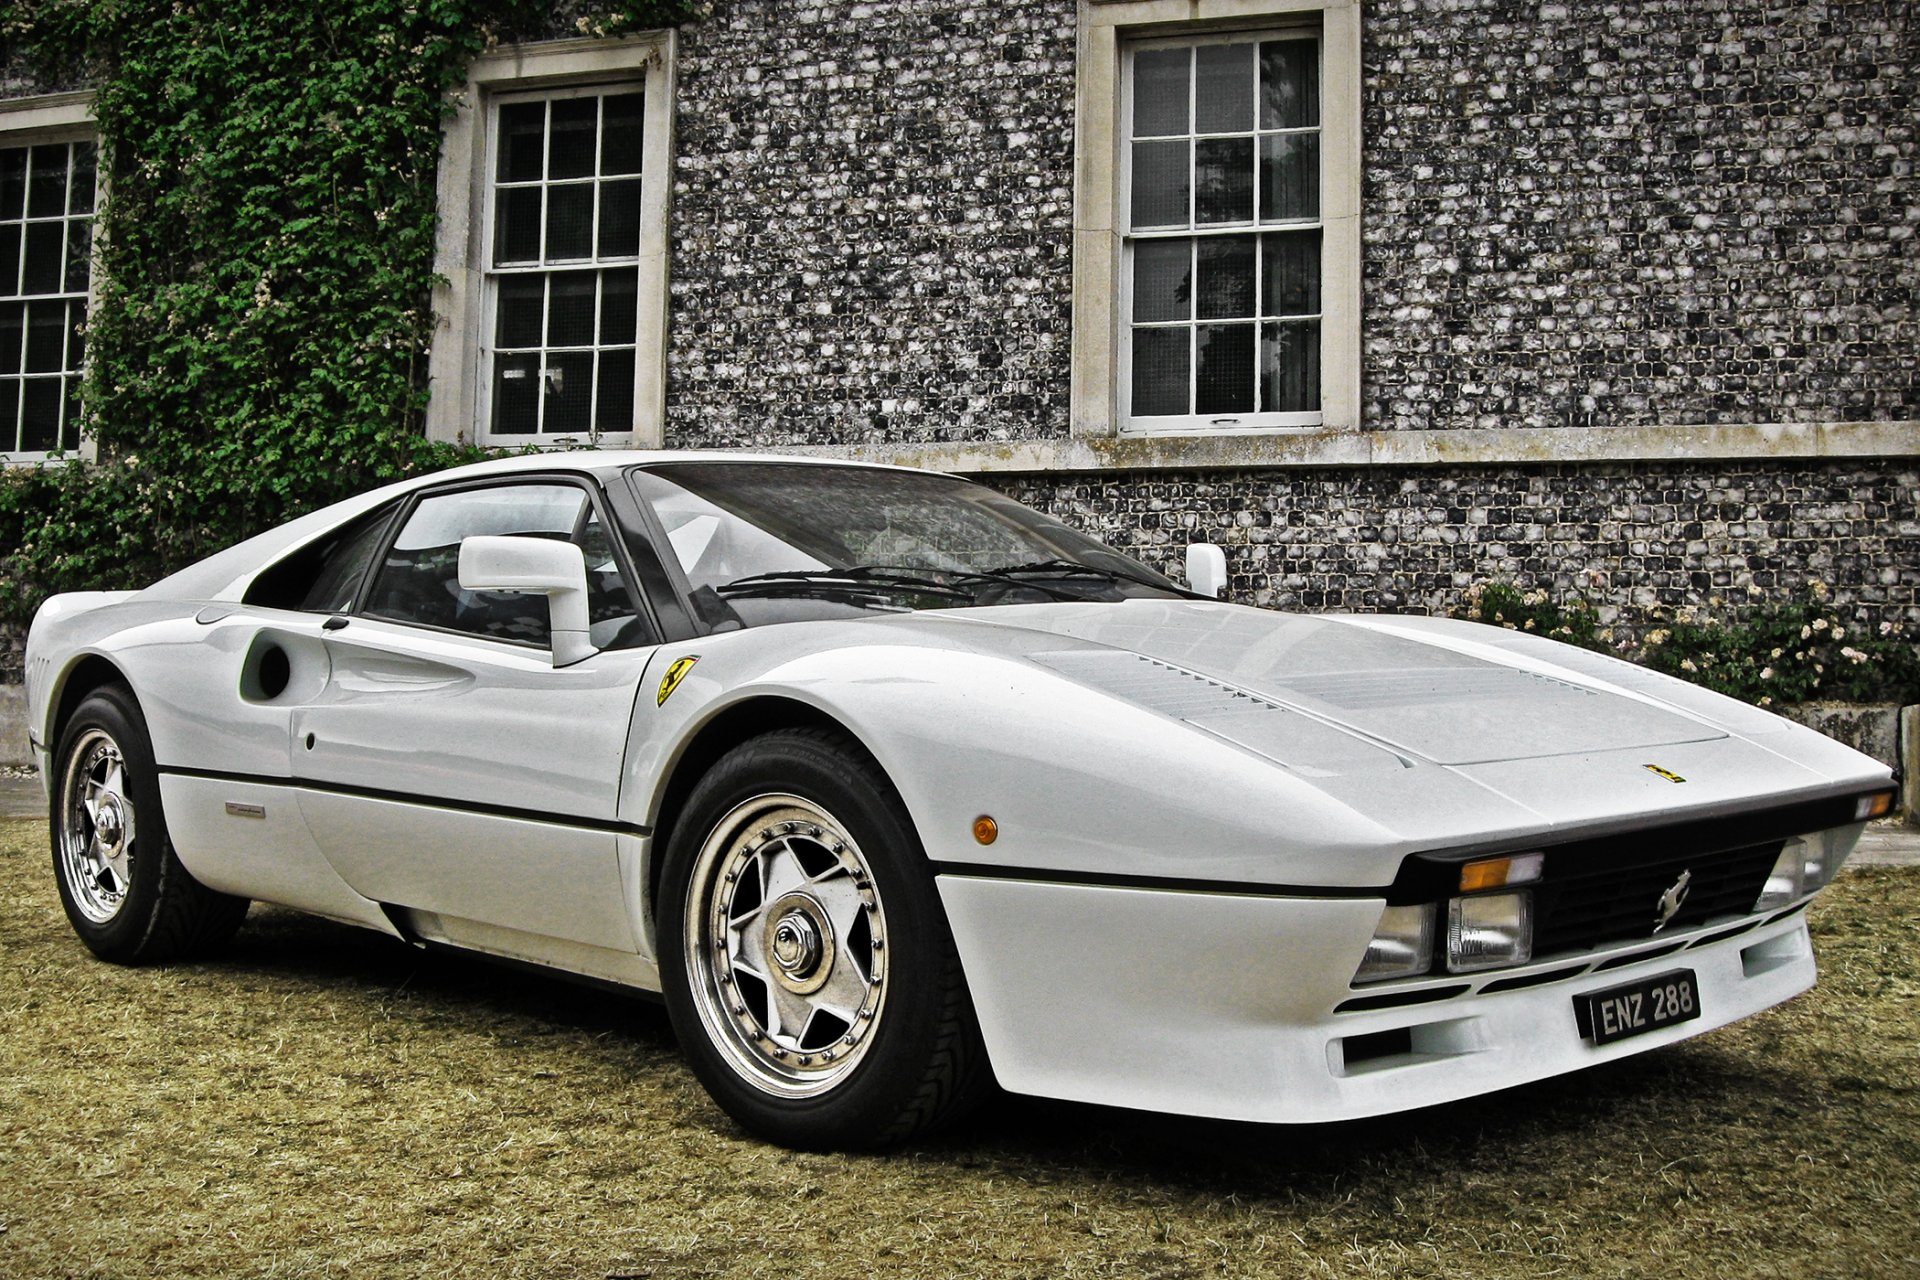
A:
(1489, 931)
(1806, 863)
(1402, 945)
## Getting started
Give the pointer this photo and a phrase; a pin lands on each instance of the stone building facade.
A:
(1615, 297)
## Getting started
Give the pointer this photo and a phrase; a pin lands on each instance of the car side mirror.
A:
(1206, 569)
(535, 566)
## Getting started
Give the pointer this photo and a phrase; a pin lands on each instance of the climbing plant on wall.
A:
(263, 262)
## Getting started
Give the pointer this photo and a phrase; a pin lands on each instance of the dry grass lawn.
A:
(325, 1102)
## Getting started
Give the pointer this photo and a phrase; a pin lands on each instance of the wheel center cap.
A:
(798, 944)
(109, 825)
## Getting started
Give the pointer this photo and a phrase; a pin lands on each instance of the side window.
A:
(323, 576)
(419, 581)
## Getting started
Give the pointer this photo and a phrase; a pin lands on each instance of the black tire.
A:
(867, 929)
(123, 888)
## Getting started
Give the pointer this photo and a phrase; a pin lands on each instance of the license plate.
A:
(1634, 1008)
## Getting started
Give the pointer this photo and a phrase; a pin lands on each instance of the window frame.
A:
(1110, 32)
(56, 118)
(458, 366)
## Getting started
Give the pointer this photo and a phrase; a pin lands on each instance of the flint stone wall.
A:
(1615, 214)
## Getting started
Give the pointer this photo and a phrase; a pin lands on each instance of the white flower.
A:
(1776, 653)
(1819, 624)
(1686, 664)
(1886, 628)
(1852, 655)
(1806, 633)
(1766, 673)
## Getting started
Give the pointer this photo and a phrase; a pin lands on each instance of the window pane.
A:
(617, 305)
(569, 393)
(516, 394)
(615, 399)
(620, 219)
(1290, 367)
(1160, 92)
(46, 337)
(45, 241)
(1224, 382)
(516, 230)
(570, 309)
(1223, 88)
(574, 123)
(517, 320)
(40, 415)
(1226, 278)
(570, 222)
(13, 322)
(13, 182)
(79, 246)
(47, 181)
(76, 335)
(9, 261)
(1223, 180)
(1290, 177)
(70, 412)
(80, 194)
(522, 141)
(621, 139)
(1159, 371)
(1160, 184)
(1162, 280)
(1292, 280)
(1289, 84)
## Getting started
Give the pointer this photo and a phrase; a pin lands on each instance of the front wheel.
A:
(807, 964)
(123, 888)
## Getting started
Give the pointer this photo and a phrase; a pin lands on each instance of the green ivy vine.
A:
(258, 346)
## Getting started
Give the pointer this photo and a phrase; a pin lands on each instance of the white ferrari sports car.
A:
(894, 788)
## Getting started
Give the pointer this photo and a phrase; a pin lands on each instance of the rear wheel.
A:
(807, 964)
(123, 888)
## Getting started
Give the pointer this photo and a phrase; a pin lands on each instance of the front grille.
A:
(1578, 908)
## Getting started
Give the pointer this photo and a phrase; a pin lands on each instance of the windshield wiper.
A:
(866, 581)
(1058, 568)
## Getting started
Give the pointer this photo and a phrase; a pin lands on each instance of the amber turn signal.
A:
(1877, 805)
(1498, 873)
(985, 829)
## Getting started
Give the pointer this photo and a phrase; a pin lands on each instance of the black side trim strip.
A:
(401, 797)
(1044, 875)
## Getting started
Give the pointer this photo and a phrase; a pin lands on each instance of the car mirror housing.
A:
(536, 566)
(1206, 569)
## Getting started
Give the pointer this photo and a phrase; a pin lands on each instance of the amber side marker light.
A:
(1498, 873)
(985, 830)
(1877, 805)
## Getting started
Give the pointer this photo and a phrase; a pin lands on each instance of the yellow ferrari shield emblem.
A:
(1668, 774)
(671, 681)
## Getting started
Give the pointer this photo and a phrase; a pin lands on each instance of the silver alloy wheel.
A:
(785, 940)
(97, 831)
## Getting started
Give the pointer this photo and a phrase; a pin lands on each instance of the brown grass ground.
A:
(325, 1102)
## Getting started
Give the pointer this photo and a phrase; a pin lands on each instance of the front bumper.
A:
(1226, 1005)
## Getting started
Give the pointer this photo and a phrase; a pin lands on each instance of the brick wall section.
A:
(1629, 537)
(1640, 212)
(871, 223)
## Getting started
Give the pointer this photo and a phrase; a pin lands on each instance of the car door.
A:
(446, 765)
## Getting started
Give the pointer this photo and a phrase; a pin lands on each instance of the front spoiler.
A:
(1222, 1005)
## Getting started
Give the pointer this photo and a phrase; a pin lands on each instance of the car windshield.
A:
(777, 542)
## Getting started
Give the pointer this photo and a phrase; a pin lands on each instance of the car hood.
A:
(1336, 693)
